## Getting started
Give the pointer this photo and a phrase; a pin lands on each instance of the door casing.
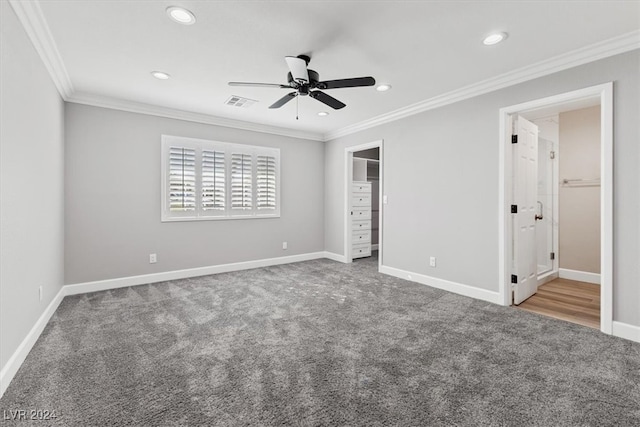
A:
(348, 168)
(605, 94)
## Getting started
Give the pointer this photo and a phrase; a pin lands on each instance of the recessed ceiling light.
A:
(383, 88)
(323, 113)
(494, 38)
(160, 75)
(181, 15)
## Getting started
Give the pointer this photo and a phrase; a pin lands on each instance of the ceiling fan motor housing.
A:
(314, 78)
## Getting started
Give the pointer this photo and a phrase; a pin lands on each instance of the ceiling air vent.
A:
(238, 101)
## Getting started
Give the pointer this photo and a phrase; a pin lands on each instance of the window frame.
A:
(199, 214)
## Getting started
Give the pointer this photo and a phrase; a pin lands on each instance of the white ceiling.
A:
(422, 48)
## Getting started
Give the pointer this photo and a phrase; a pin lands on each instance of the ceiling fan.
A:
(305, 82)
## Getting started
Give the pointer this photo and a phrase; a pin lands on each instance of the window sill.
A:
(218, 218)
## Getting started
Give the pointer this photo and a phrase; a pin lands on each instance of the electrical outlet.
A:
(153, 258)
(432, 261)
(384, 200)
(285, 246)
(40, 293)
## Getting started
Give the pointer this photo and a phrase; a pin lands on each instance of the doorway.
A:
(363, 202)
(529, 218)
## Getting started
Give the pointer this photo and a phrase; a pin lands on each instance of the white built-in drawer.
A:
(361, 213)
(361, 250)
(361, 225)
(361, 236)
(361, 187)
(361, 200)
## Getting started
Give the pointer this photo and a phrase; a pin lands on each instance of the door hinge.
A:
(514, 139)
(514, 208)
(552, 155)
(553, 255)
(514, 278)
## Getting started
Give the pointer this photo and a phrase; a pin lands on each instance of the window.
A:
(204, 180)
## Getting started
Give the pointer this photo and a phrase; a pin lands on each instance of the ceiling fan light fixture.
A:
(383, 88)
(323, 114)
(494, 38)
(181, 15)
(160, 75)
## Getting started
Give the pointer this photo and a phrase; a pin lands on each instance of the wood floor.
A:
(569, 300)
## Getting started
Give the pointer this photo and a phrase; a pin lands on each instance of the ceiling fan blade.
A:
(280, 102)
(355, 82)
(298, 68)
(326, 99)
(259, 85)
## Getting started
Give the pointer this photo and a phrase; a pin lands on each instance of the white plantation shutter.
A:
(266, 182)
(241, 181)
(213, 180)
(210, 180)
(182, 179)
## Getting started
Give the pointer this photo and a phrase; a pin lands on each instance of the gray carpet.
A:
(318, 343)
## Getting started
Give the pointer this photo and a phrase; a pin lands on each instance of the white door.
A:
(525, 192)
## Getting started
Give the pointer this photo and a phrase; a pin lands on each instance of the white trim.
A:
(594, 52)
(35, 25)
(547, 277)
(581, 276)
(348, 178)
(15, 361)
(606, 208)
(32, 19)
(10, 369)
(123, 282)
(228, 150)
(189, 116)
(605, 93)
(626, 331)
(335, 257)
(434, 282)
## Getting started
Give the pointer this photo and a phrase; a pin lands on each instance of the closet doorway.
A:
(363, 202)
(556, 223)
(567, 225)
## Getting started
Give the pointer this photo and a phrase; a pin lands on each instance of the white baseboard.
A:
(122, 282)
(547, 277)
(581, 276)
(375, 247)
(12, 366)
(15, 361)
(434, 282)
(10, 369)
(624, 330)
(335, 257)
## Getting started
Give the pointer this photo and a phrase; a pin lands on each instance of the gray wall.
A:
(112, 189)
(579, 207)
(31, 185)
(441, 178)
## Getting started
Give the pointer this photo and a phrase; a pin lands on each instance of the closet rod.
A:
(581, 182)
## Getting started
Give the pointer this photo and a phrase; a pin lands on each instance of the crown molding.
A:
(594, 52)
(35, 25)
(32, 19)
(172, 113)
